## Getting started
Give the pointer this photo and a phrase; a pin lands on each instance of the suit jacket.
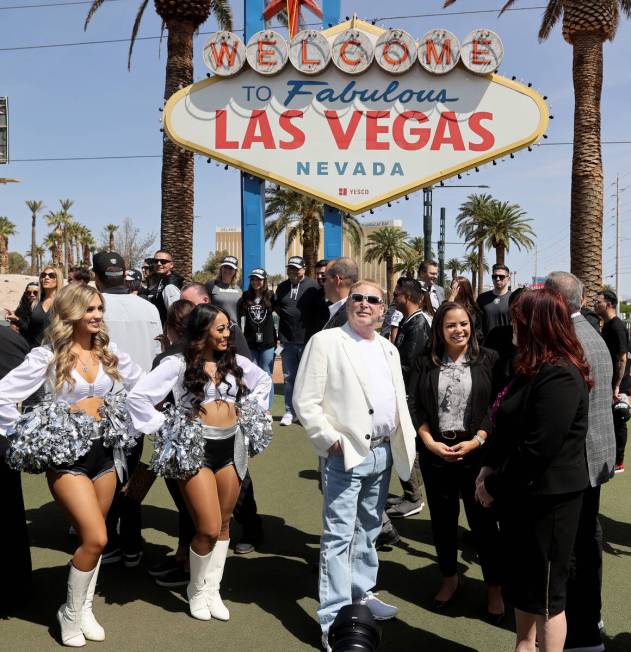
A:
(332, 399)
(600, 443)
(14, 349)
(539, 444)
(424, 393)
(338, 319)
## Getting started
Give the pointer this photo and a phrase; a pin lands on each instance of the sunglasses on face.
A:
(32, 293)
(145, 269)
(498, 277)
(162, 261)
(372, 299)
(48, 275)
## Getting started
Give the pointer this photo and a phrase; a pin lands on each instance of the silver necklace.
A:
(85, 366)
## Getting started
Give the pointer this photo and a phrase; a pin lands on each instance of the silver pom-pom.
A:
(255, 425)
(49, 435)
(178, 447)
(115, 425)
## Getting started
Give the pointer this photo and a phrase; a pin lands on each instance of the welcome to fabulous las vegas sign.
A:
(355, 115)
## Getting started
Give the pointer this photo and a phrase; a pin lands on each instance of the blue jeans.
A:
(265, 360)
(353, 506)
(290, 356)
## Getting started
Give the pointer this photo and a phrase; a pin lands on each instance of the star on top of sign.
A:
(293, 12)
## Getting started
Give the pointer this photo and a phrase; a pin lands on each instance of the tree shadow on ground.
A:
(615, 533)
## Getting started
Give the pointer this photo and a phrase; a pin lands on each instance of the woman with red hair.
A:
(535, 469)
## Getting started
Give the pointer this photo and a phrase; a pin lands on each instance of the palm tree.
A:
(35, 206)
(86, 240)
(111, 229)
(586, 26)
(387, 245)
(505, 224)
(67, 220)
(470, 263)
(454, 266)
(51, 242)
(413, 258)
(56, 220)
(39, 252)
(7, 229)
(182, 19)
(301, 217)
(469, 223)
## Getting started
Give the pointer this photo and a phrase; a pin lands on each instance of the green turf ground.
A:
(272, 593)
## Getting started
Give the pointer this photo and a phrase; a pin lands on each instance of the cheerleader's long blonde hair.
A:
(69, 306)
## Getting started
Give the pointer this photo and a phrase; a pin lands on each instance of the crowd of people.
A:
(514, 403)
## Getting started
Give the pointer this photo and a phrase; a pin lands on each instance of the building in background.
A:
(229, 240)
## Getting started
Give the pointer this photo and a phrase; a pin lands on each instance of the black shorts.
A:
(218, 453)
(95, 463)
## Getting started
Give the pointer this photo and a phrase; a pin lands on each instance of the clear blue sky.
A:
(82, 101)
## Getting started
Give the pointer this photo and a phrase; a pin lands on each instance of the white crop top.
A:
(26, 379)
(169, 375)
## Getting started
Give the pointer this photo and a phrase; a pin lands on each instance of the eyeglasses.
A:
(498, 277)
(368, 298)
(161, 261)
(145, 269)
(32, 293)
(48, 275)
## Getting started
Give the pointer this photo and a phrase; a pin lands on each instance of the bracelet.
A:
(479, 439)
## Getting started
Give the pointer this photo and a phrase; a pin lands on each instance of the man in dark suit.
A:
(340, 274)
(584, 587)
(14, 544)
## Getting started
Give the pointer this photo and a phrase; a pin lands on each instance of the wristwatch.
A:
(479, 439)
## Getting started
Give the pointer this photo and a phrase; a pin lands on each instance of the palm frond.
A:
(551, 15)
(223, 13)
(93, 9)
(507, 6)
(134, 31)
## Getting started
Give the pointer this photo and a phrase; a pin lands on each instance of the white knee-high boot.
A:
(195, 590)
(69, 614)
(89, 625)
(214, 574)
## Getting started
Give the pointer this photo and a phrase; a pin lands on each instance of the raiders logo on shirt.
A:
(257, 313)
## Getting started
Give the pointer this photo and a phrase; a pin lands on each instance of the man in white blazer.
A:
(350, 397)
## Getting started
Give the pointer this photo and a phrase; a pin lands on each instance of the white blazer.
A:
(332, 399)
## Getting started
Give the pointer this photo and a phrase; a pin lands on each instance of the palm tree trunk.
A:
(86, 255)
(4, 256)
(389, 278)
(474, 282)
(500, 254)
(586, 210)
(33, 244)
(480, 267)
(309, 252)
(111, 242)
(176, 228)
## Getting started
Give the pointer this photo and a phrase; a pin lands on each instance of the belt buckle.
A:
(449, 434)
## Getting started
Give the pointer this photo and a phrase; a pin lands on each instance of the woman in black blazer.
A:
(535, 468)
(449, 402)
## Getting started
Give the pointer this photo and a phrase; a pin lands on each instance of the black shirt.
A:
(494, 311)
(37, 324)
(297, 309)
(259, 330)
(615, 335)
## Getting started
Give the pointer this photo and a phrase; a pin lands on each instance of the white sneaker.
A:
(379, 609)
(287, 420)
(325, 643)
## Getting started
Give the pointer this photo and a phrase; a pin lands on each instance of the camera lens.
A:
(354, 630)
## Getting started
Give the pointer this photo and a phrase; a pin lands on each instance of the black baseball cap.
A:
(230, 261)
(133, 275)
(296, 261)
(259, 272)
(108, 264)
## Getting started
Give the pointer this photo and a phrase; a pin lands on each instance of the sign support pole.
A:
(252, 188)
(441, 248)
(427, 223)
(333, 231)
